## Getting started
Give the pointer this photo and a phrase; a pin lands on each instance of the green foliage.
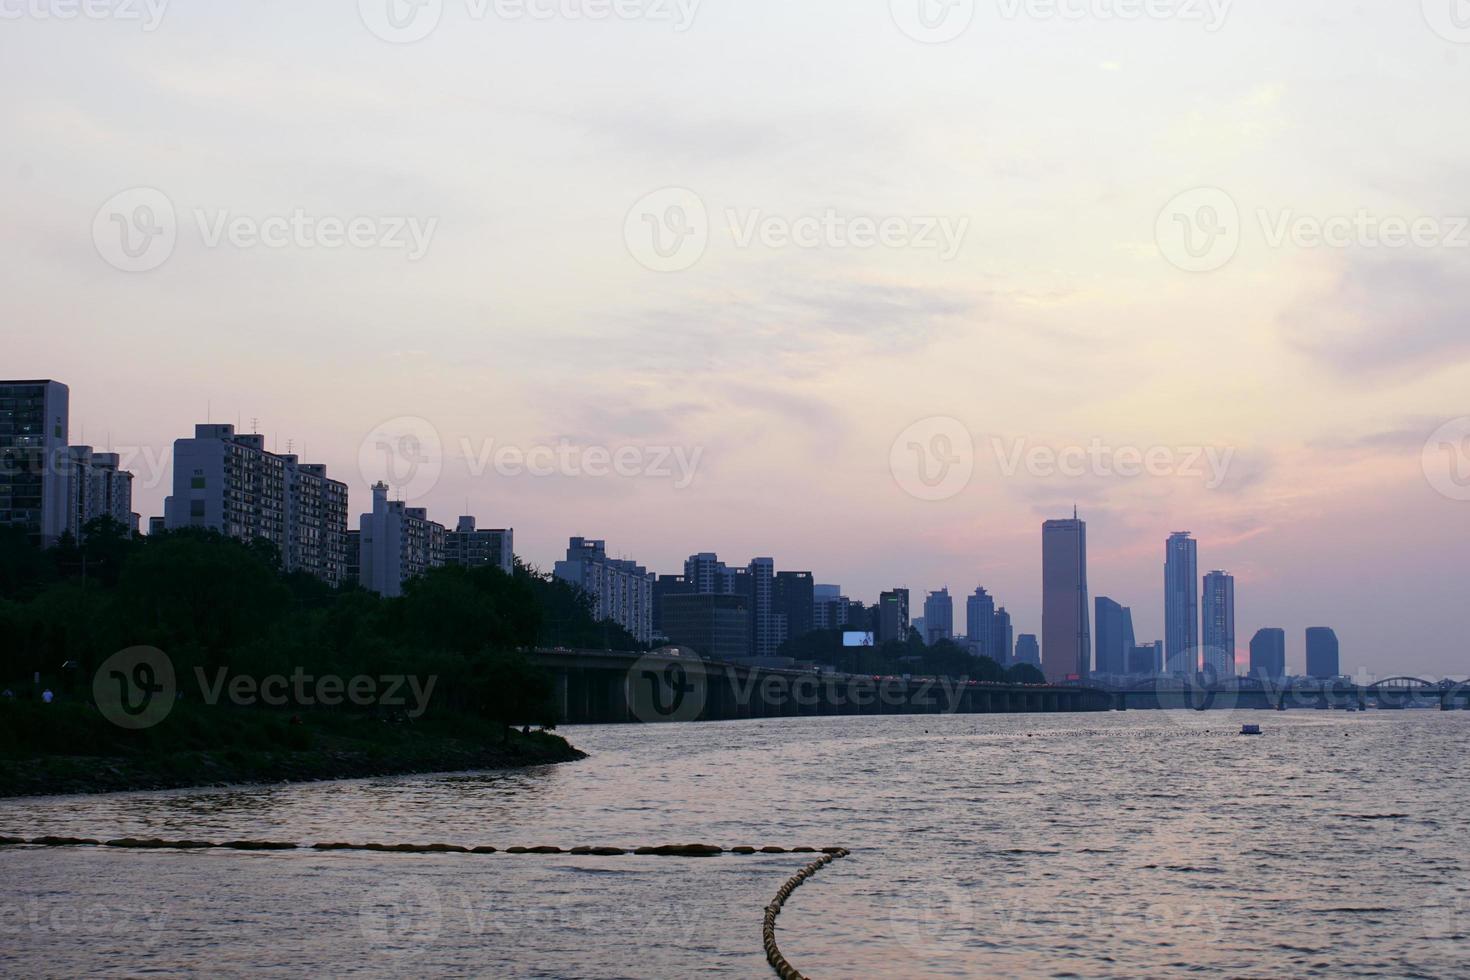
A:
(212, 603)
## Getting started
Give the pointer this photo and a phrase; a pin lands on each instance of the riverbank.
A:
(223, 747)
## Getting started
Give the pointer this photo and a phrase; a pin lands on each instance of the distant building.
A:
(1218, 621)
(980, 623)
(714, 626)
(1181, 604)
(396, 543)
(1324, 657)
(621, 590)
(157, 526)
(892, 617)
(1028, 651)
(667, 585)
(938, 617)
(34, 420)
(707, 575)
(1268, 654)
(230, 483)
(1147, 659)
(830, 608)
(1066, 640)
(95, 488)
(1002, 637)
(1114, 636)
(473, 547)
(352, 558)
(767, 626)
(794, 599)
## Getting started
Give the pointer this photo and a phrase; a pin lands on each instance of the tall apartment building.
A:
(793, 598)
(34, 416)
(938, 617)
(707, 575)
(229, 482)
(1002, 637)
(473, 547)
(97, 487)
(396, 543)
(1218, 622)
(1181, 604)
(1066, 634)
(830, 608)
(980, 624)
(621, 591)
(1115, 641)
(891, 618)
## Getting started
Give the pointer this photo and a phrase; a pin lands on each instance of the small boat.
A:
(1250, 730)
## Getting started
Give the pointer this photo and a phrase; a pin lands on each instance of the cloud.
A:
(1385, 317)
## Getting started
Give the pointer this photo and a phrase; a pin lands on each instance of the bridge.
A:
(609, 687)
(1390, 693)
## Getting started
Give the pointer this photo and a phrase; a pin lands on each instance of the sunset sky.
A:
(1061, 145)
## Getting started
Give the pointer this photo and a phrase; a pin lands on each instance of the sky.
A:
(828, 282)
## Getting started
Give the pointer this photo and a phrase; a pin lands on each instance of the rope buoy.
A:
(778, 962)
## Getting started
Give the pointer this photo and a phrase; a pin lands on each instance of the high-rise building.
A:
(794, 598)
(1066, 636)
(1002, 637)
(1268, 654)
(1028, 651)
(892, 616)
(938, 617)
(396, 543)
(1114, 636)
(474, 547)
(229, 482)
(96, 487)
(768, 628)
(663, 586)
(980, 623)
(1181, 604)
(34, 416)
(716, 626)
(1324, 657)
(830, 608)
(1218, 620)
(707, 575)
(621, 590)
(1147, 659)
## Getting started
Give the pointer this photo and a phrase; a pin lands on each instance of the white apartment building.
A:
(96, 487)
(622, 591)
(396, 543)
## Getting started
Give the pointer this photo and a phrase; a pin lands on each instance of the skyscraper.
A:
(794, 598)
(1066, 640)
(1219, 624)
(1324, 660)
(34, 416)
(1268, 654)
(1114, 636)
(892, 616)
(979, 623)
(1001, 637)
(621, 590)
(938, 617)
(1181, 604)
(768, 631)
(1028, 651)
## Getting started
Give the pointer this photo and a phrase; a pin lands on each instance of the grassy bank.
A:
(71, 748)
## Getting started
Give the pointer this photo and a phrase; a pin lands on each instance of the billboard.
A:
(857, 639)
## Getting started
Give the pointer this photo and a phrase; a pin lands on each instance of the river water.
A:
(1111, 845)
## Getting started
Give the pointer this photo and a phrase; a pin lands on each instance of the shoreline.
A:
(88, 775)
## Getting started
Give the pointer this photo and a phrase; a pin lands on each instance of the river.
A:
(1110, 845)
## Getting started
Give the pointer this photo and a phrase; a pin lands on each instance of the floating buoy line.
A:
(778, 962)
